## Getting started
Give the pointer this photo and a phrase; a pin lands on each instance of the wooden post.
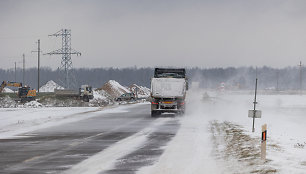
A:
(263, 141)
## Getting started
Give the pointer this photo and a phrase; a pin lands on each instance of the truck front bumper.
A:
(170, 110)
(173, 108)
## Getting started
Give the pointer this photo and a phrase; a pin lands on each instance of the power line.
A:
(23, 69)
(21, 37)
(66, 63)
(301, 79)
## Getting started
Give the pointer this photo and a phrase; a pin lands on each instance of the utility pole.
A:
(300, 65)
(15, 72)
(23, 69)
(38, 64)
(277, 80)
(66, 64)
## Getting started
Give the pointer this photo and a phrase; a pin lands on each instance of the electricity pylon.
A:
(66, 68)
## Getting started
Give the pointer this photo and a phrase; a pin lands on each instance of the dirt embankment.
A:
(238, 151)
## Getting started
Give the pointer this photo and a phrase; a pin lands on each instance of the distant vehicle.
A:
(85, 93)
(24, 92)
(168, 91)
(126, 97)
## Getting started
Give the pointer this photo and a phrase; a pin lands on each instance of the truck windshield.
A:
(169, 73)
(172, 75)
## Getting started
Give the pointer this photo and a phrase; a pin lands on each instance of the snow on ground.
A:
(215, 136)
(15, 121)
(142, 92)
(114, 89)
(190, 151)
(50, 86)
(32, 104)
(100, 94)
(8, 90)
(285, 118)
(106, 159)
(101, 98)
(7, 102)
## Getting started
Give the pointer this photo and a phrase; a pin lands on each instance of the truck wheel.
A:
(154, 113)
(85, 99)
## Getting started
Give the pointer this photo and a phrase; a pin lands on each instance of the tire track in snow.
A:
(52, 149)
(106, 159)
(149, 152)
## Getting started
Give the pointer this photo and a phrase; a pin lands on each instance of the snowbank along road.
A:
(214, 136)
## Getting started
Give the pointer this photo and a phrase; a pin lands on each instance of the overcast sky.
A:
(149, 33)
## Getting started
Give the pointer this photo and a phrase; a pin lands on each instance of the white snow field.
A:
(216, 137)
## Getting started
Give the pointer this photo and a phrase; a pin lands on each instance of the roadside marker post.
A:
(263, 141)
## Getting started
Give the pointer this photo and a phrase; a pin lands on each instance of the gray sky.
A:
(149, 33)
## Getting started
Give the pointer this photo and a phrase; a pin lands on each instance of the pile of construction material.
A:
(114, 89)
(103, 96)
(50, 86)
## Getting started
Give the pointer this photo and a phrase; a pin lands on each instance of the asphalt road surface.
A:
(63, 149)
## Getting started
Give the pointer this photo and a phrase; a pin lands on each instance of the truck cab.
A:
(86, 93)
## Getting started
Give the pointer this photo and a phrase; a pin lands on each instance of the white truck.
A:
(168, 91)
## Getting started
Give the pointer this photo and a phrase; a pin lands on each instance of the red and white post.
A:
(263, 141)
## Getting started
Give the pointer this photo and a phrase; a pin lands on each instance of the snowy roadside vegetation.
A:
(102, 96)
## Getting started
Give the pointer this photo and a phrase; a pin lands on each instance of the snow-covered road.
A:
(214, 136)
(85, 141)
(16, 121)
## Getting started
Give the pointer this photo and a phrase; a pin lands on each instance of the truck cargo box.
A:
(168, 87)
(66, 92)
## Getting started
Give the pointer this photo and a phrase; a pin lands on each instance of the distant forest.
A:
(236, 78)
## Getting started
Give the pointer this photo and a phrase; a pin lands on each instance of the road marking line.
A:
(31, 159)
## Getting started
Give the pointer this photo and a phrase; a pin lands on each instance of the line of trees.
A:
(242, 78)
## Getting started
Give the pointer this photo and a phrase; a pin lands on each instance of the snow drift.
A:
(8, 90)
(50, 86)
